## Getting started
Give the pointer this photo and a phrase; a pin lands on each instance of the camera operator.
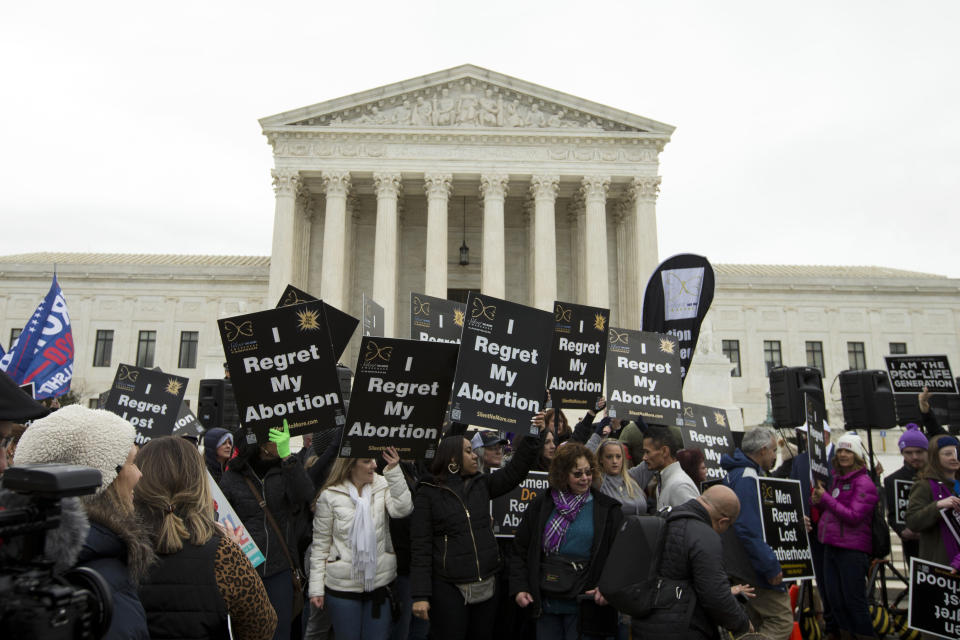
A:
(116, 545)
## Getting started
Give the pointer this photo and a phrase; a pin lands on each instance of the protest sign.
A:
(578, 355)
(934, 599)
(507, 510)
(149, 399)
(677, 298)
(228, 517)
(187, 423)
(816, 440)
(340, 325)
(901, 496)
(29, 389)
(435, 319)
(952, 518)
(781, 512)
(910, 374)
(643, 377)
(282, 367)
(399, 397)
(372, 317)
(706, 428)
(502, 365)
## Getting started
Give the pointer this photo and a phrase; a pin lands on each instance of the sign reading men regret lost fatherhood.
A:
(399, 396)
(643, 377)
(502, 367)
(282, 367)
(784, 530)
(577, 357)
(148, 399)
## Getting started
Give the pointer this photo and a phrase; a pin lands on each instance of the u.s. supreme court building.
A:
(467, 179)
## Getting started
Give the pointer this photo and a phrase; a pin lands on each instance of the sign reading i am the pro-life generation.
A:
(341, 325)
(502, 365)
(507, 510)
(934, 599)
(643, 377)
(781, 511)
(149, 399)
(282, 368)
(910, 374)
(399, 397)
(578, 355)
(706, 428)
(435, 319)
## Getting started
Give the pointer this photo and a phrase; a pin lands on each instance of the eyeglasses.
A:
(579, 474)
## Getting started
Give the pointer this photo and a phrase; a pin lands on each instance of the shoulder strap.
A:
(273, 523)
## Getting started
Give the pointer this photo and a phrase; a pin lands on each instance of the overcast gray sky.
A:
(807, 133)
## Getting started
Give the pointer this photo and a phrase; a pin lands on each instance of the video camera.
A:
(37, 600)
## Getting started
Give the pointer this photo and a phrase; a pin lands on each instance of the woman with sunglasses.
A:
(562, 544)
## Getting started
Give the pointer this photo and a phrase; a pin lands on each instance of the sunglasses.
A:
(579, 474)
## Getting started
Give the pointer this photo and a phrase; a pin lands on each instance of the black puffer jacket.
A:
(288, 490)
(525, 567)
(451, 535)
(693, 553)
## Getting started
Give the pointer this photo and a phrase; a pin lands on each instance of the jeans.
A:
(280, 591)
(353, 619)
(845, 581)
(452, 619)
(559, 626)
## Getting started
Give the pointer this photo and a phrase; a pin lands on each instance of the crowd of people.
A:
(362, 548)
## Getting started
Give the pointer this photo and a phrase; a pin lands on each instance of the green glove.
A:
(281, 437)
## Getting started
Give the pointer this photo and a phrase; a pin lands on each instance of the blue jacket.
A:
(748, 525)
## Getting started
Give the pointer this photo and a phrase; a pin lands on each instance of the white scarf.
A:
(363, 537)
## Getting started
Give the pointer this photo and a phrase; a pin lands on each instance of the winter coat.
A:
(287, 489)
(527, 544)
(331, 562)
(451, 534)
(847, 511)
(742, 474)
(924, 517)
(693, 553)
(210, 439)
(106, 553)
(675, 487)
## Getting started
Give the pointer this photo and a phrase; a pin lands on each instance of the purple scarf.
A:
(940, 491)
(568, 507)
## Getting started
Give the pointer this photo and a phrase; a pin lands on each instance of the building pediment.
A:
(464, 98)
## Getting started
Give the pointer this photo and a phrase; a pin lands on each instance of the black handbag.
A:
(562, 576)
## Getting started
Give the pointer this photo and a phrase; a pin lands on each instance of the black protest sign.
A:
(282, 368)
(901, 497)
(399, 397)
(706, 428)
(677, 298)
(435, 319)
(781, 512)
(934, 599)
(29, 389)
(502, 366)
(187, 423)
(149, 399)
(372, 317)
(578, 355)
(643, 377)
(910, 374)
(952, 518)
(507, 510)
(816, 440)
(340, 325)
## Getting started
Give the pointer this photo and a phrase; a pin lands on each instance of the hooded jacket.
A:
(331, 562)
(846, 521)
(210, 440)
(742, 474)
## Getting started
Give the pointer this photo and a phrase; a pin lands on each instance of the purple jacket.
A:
(848, 511)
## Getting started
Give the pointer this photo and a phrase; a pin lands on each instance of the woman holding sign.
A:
(353, 559)
(454, 554)
(937, 487)
(845, 525)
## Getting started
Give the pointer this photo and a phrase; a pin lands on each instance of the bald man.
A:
(692, 565)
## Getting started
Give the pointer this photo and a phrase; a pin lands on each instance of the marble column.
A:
(575, 251)
(626, 292)
(544, 190)
(333, 286)
(493, 188)
(304, 222)
(594, 247)
(385, 251)
(642, 226)
(438, 187)
(286, 185)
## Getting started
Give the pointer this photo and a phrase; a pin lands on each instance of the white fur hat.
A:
(76, 435)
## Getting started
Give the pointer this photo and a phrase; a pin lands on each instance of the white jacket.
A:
(331, 561)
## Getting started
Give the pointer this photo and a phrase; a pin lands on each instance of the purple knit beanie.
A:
(913, 437)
